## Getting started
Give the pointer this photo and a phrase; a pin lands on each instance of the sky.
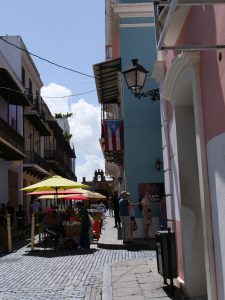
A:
(70, 33)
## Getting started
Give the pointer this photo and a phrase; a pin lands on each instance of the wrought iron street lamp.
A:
(135, 76)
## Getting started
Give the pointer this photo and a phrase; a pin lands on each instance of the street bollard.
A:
(9, 235)
(32, 231)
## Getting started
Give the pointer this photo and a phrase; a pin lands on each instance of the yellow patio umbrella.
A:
(99, 196)
(54, 183)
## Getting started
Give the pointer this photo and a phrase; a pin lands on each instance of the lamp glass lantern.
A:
(135, 76)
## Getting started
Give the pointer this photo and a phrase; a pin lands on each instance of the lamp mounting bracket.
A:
(153, 94)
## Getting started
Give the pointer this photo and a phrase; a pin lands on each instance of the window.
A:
(23, 76)
(30, 90)
(13, 123)
(37, 96)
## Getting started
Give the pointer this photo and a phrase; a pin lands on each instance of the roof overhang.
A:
(35, 170)
(107, 79)
(173, 18)
(9, 151)
(10, 90)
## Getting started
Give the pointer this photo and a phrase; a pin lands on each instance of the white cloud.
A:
(84, 126)
(93, 162)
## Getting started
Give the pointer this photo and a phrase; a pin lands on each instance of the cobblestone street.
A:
(59, 275)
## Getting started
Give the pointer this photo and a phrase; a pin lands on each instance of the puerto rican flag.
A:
(113, 135)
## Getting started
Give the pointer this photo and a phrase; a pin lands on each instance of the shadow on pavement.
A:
(140, 244)
(173, 293)
(119, 233)
(49, 253)
(16, 245)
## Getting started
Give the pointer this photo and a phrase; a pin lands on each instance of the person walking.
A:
(124, 215)
(133, 224)
(110, 206)
(85, 225)
(116, 213)
(20, 220)
(146, 212)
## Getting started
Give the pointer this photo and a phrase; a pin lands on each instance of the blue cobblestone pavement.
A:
(47, 274)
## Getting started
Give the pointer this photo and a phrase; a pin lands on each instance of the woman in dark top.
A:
(86, 224)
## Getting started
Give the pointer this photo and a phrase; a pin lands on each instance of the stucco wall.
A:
(216, 169)
(142, 135)
(208, 22)
(12, 56)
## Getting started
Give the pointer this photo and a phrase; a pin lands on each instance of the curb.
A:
(107, 283)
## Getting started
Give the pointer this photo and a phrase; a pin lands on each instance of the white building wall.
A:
(10, 59)
(166, 162)
(216, 170)
(64, 124)
(175, 170)
(12, 54)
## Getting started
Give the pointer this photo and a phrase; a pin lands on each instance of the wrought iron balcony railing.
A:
(34, 158)
(11, 136)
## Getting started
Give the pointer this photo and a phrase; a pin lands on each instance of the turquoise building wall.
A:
(135, 1)
(142, 134)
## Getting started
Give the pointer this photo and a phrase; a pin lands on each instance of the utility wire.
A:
(27, 94)
(74, 95)
(46, 60)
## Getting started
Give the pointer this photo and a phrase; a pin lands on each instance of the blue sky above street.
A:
(69, 33)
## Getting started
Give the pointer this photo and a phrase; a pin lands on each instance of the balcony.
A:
(59, 136)
(35, 165)
(11, 142)
(115, 157)
(170, 17)
(112, 141)
(36, 115)
(56, 162)
(107, 81)
(11, 92)
(47, 114)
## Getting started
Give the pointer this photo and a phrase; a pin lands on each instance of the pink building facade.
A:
(191, 73)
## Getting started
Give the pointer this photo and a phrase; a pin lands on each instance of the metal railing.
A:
(34, 158)
(11, 136)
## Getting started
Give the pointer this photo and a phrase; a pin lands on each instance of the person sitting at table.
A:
(52, 225)
(85, 225)
(69, 212)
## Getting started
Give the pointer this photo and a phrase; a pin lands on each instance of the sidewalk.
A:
(111, 238)
(131, 280)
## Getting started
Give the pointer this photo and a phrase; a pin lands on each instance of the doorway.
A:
(190, 198)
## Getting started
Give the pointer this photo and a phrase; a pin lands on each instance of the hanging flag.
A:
(113, 135)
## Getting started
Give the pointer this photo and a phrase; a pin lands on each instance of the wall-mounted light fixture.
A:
(135, 76)
(158, 165)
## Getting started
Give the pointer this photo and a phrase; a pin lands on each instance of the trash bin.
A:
(166, 254)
